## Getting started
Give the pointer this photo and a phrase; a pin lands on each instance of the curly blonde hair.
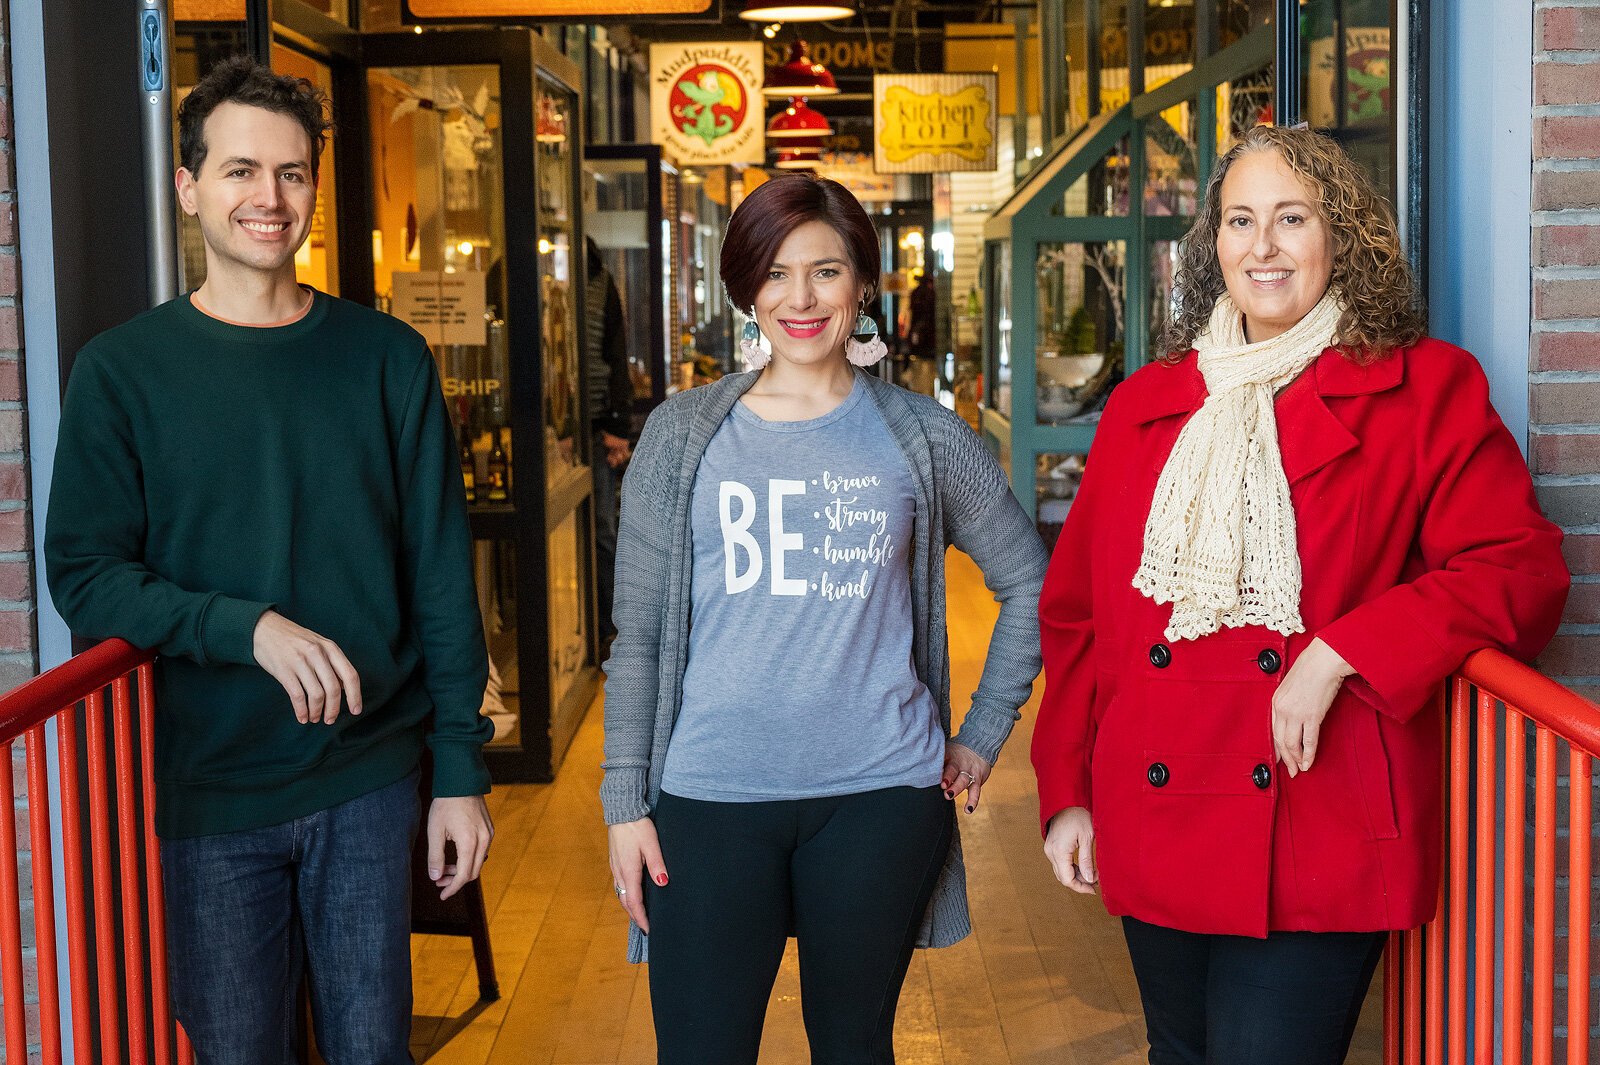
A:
(1370, 271)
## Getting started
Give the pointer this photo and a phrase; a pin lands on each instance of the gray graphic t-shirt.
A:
(800, 681)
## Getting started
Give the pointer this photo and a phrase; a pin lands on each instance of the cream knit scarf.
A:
(1219, 544)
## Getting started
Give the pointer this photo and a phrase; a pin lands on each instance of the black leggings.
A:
(1293, 997)
(849, 877)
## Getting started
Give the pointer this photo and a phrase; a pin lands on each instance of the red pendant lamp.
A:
(799, 76)
(798, 120)
(798, 159)
(794, 11)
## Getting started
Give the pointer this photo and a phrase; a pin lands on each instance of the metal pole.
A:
(1019, 123)
(1286, 97)
(1052, 70)
(155, 120)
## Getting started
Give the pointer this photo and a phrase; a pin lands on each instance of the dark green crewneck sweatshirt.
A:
(207, 472)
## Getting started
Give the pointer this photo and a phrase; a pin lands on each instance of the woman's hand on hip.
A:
(1069, 844)
(635, 850)
(964, 771)
(1302, 701)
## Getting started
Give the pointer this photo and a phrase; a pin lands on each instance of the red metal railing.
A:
(1438, 991)
(120, 910)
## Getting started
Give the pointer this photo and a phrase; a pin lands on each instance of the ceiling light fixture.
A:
(798, 159)
(794, 11)
(799, 76)
(799, 119)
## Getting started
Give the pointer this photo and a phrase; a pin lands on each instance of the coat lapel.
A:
(1309, 434)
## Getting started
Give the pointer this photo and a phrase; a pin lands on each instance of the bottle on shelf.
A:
(499, 469)
(469, 467)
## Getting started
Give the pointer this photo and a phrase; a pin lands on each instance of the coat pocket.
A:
(1371, 765)
(1205, 840)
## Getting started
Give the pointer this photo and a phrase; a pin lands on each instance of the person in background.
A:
(260, 482)
(778, 756)
(923, 337)
(1289, 531)
(610, 416)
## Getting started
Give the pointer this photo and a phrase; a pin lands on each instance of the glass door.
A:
(625, 200)
(475, 229)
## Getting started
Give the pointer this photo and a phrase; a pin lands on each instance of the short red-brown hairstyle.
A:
(776, 208)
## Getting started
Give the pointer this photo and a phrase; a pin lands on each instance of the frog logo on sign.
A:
(708, 102)
(932, 123)
(705, 102)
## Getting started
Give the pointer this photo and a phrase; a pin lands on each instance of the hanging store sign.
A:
(705, 102)
(501, 10)
(933, 123)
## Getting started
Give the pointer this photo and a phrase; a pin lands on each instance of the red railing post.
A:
(24, 713)
(44, 898)
(16, 1017)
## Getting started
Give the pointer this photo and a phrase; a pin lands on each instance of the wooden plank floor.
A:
(1045, 979)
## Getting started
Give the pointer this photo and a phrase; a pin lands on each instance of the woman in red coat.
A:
(1289, 533)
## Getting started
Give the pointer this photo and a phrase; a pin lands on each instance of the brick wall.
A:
(19, 648)
(1564, 374)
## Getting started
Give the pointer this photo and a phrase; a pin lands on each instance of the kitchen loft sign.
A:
(932, 123)
(705, 102)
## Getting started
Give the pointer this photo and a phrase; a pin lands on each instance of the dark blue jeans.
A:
(1293, 997)
(238, 904)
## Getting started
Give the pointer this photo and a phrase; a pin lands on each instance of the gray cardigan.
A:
(963, 498)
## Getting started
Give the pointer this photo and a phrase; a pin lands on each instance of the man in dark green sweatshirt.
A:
(260, 482)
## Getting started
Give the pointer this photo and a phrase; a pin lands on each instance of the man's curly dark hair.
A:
(242, 80)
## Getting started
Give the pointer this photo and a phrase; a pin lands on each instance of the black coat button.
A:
(1160, 656)
(1262, 776)
(1269, 661)
(1158, 775)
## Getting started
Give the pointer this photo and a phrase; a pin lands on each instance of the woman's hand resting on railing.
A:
(1302, 701)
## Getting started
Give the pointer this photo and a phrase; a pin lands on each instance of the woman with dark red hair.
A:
(778, 749)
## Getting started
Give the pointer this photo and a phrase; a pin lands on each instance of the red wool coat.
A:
(1420, 541)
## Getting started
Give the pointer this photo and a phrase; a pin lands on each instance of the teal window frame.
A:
(1027, 220)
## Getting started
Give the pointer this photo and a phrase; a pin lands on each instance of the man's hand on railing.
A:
(464, 821)
(311, 668)
(1302, 701)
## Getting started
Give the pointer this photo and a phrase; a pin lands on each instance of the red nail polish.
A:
(662, 879)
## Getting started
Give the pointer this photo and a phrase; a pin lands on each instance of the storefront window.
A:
(1163, 268)
(1102, 190)
(1056, 480)
(1077, 37)
(1242, 104)
(1080, 308)
(1169, 40)
(1237, 18)
(1346, 61)
(999, 397)
(1170, 162)
(1114, 89)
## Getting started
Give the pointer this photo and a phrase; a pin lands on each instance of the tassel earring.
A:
(750, 345)
(870, 348)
